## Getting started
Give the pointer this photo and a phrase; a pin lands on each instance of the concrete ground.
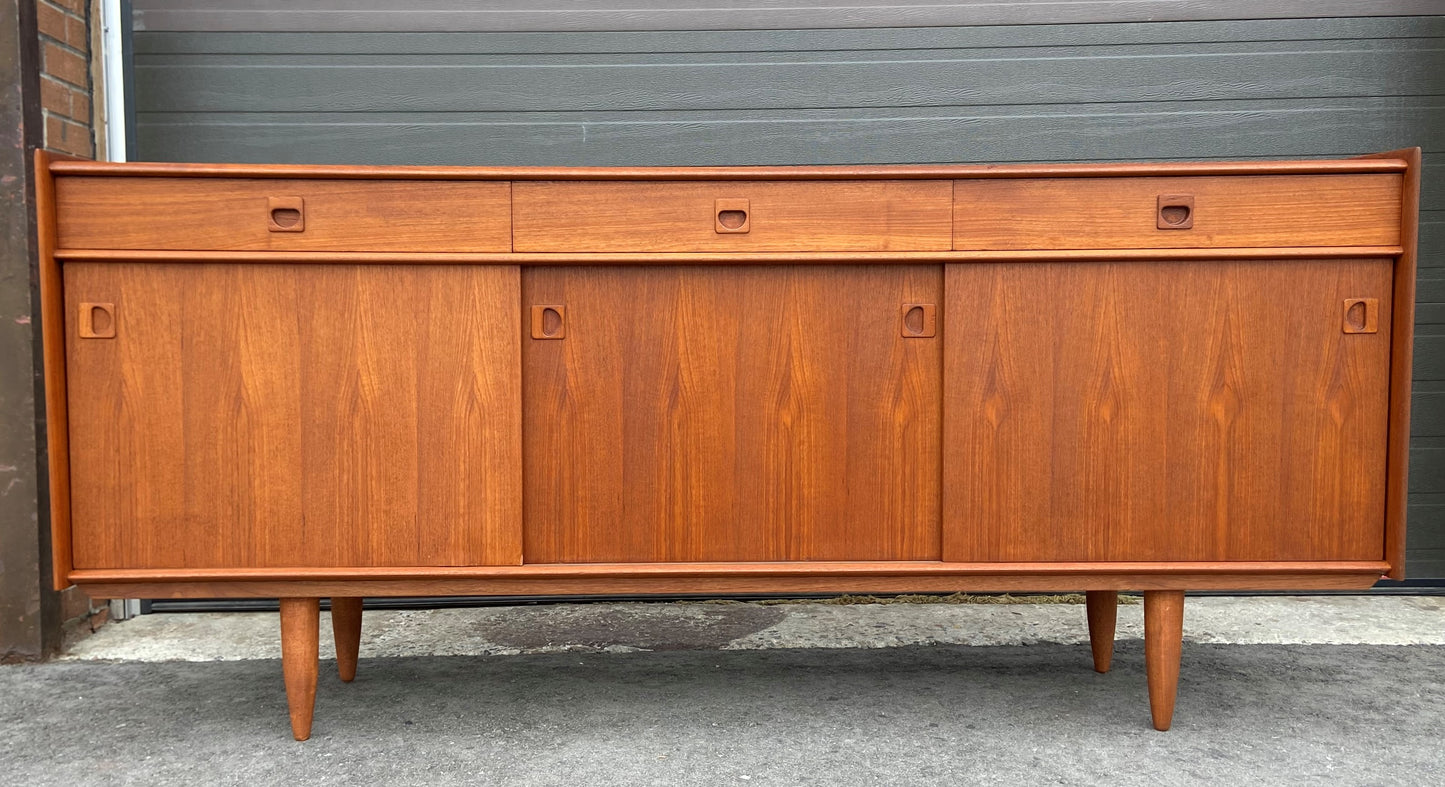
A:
(1273, 690)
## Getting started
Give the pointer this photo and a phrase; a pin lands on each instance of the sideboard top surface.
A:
(60, 165)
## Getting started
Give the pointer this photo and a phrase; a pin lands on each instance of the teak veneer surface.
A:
(188, 214)
(870, 215)
(712, 413)
(1244, 211)
(281, 415)
(1165, 411)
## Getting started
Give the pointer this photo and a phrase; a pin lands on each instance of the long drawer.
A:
(1177, 212)
(263, 214)
(611, 216)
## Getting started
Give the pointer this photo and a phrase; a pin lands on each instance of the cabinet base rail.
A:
(725, 578)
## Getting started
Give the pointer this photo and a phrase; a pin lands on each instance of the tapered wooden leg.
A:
(300, 634)
(346, 627)
(1103, 610)
(1163, 637)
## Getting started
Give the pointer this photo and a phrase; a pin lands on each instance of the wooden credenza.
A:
(308, 382)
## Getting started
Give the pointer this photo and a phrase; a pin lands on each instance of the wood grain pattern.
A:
(1163, 641)
(865, 215)
(187, 215)
(346, 630)
(274, 415)
(1102, 609)
(1180, 411)
(1256, 210)
(300, 645)
(57, 409)
(731, 414)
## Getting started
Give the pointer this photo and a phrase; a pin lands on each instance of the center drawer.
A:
(611, 216)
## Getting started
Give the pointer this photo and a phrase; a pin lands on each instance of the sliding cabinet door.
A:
(742, 413)
(1166, 411)
(272, 415)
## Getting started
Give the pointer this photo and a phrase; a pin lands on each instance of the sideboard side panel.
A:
(1402, 362)
(294, 415)
(1165, 411)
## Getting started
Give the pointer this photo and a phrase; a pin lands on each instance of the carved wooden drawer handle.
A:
(285, 214)
(1362, 315)
(549, 322)
(1176, 212)
(97, 321)
(919, 321)
(731, 216)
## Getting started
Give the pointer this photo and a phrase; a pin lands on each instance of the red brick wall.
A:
(66, 86)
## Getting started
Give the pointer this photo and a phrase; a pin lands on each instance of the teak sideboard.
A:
(322, 381)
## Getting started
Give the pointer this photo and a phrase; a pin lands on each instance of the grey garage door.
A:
(769, 82)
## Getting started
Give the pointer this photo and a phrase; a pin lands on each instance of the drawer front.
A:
(877, 215)
(205, 214)
(1177, 213)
